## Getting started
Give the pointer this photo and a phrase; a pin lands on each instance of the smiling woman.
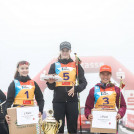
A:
(22, 69)
(22, 90)
(105, 95)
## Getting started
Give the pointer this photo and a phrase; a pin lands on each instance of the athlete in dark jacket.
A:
(37, 92)
(60, 92)
(22, 90)
(65, 101)
(3, 126)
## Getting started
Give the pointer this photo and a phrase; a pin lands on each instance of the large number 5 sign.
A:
(106, 99)
(66, 76)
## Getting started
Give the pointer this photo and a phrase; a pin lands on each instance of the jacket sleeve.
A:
(2, 99)
(10, 95)
(51, 71)
(39, 97)
(2, 96)
(123, 106)
(82, 80)
(89, 105)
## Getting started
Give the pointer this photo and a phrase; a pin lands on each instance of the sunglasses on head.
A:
(22, 63)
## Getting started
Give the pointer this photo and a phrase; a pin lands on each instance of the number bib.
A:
(67, 72)
(105, 98)
(24, 92)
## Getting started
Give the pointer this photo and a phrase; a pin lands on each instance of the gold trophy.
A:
(50, 125)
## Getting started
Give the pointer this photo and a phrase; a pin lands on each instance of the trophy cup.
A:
(50, 125)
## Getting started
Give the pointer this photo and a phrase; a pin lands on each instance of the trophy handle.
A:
(60, 123)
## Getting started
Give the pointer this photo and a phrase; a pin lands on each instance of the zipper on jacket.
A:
(66, 94)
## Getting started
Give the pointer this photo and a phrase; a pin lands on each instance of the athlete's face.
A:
(65, 53)
(23, 70)
(105, 77)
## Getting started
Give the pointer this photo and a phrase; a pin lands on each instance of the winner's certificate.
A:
(104, 120)
(27, 115)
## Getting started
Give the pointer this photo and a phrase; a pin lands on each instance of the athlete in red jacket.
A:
(105, 95)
